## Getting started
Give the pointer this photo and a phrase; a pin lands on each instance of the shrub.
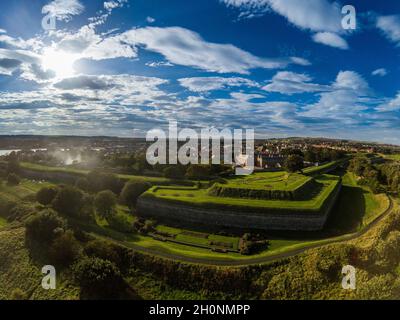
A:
(46, 195)
(83, 184)
(132, 190)
(105, 203)
(102, 249)
(98, 278)
(42, 227)
(65, 249)
(120, 223)
(98, 181)
(68, 201)
(13, 179)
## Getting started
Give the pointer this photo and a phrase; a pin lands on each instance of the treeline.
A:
(379, 177)
(313, 155)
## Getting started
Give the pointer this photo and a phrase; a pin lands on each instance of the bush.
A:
(46, 195)
(65, 249)
(83, 184)
(98, 181)
(68, 201)
(43, 226)
(132, 190)
(13, 179)
(98, 278)
(102, 249)
(105, 203)
(120, 223)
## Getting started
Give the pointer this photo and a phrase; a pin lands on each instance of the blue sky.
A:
(123, 67)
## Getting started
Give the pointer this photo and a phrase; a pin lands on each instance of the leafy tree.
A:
(198, 171)
(294, 163)
(132, 190)
(43, 226)
(68, 201)
(174, 172)
(98, 278)
(46, 195)
(105, 203)
(65, 249)
(102, 249)
(310, 156)
(98, 181)
(13, 163)
(83, 184)
(13, 179)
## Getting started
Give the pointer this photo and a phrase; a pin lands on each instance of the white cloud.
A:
(380, 72)
(314, 15)
(331, 39)
(391, 105)
(63, 9)
(3, 31)
(390, 26)
(286, 82)
(156, 64)
(345, 102)
(184, 47)
(150, 19)
(204, 84)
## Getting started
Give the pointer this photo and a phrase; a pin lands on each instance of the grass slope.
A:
(18, 271)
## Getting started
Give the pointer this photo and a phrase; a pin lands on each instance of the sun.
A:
(61, 62)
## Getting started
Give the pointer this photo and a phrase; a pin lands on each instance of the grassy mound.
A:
(268, 186)
(203, 198)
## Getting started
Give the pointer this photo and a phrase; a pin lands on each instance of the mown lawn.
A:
(268, 180)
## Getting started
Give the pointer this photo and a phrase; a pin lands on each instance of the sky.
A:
(124, 67)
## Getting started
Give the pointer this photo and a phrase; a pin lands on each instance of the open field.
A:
(79, 172)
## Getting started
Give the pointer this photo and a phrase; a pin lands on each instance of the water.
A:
(7, 152)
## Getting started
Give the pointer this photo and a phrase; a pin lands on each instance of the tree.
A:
(98, 181)
(43, 226)
(68, 201)
(294, 163)
(65, 249)
(174, 172)
(13, 179)
(105, 203)
(13, 163)
(83, 184)
(102, 249)
(198, 171)
(310, 156)
(46, 195)
(132, 190)
(98, 278)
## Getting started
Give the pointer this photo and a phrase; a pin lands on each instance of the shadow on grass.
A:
(348, 212)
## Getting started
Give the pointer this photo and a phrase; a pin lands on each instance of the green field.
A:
(79, 172)
(268, 180)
